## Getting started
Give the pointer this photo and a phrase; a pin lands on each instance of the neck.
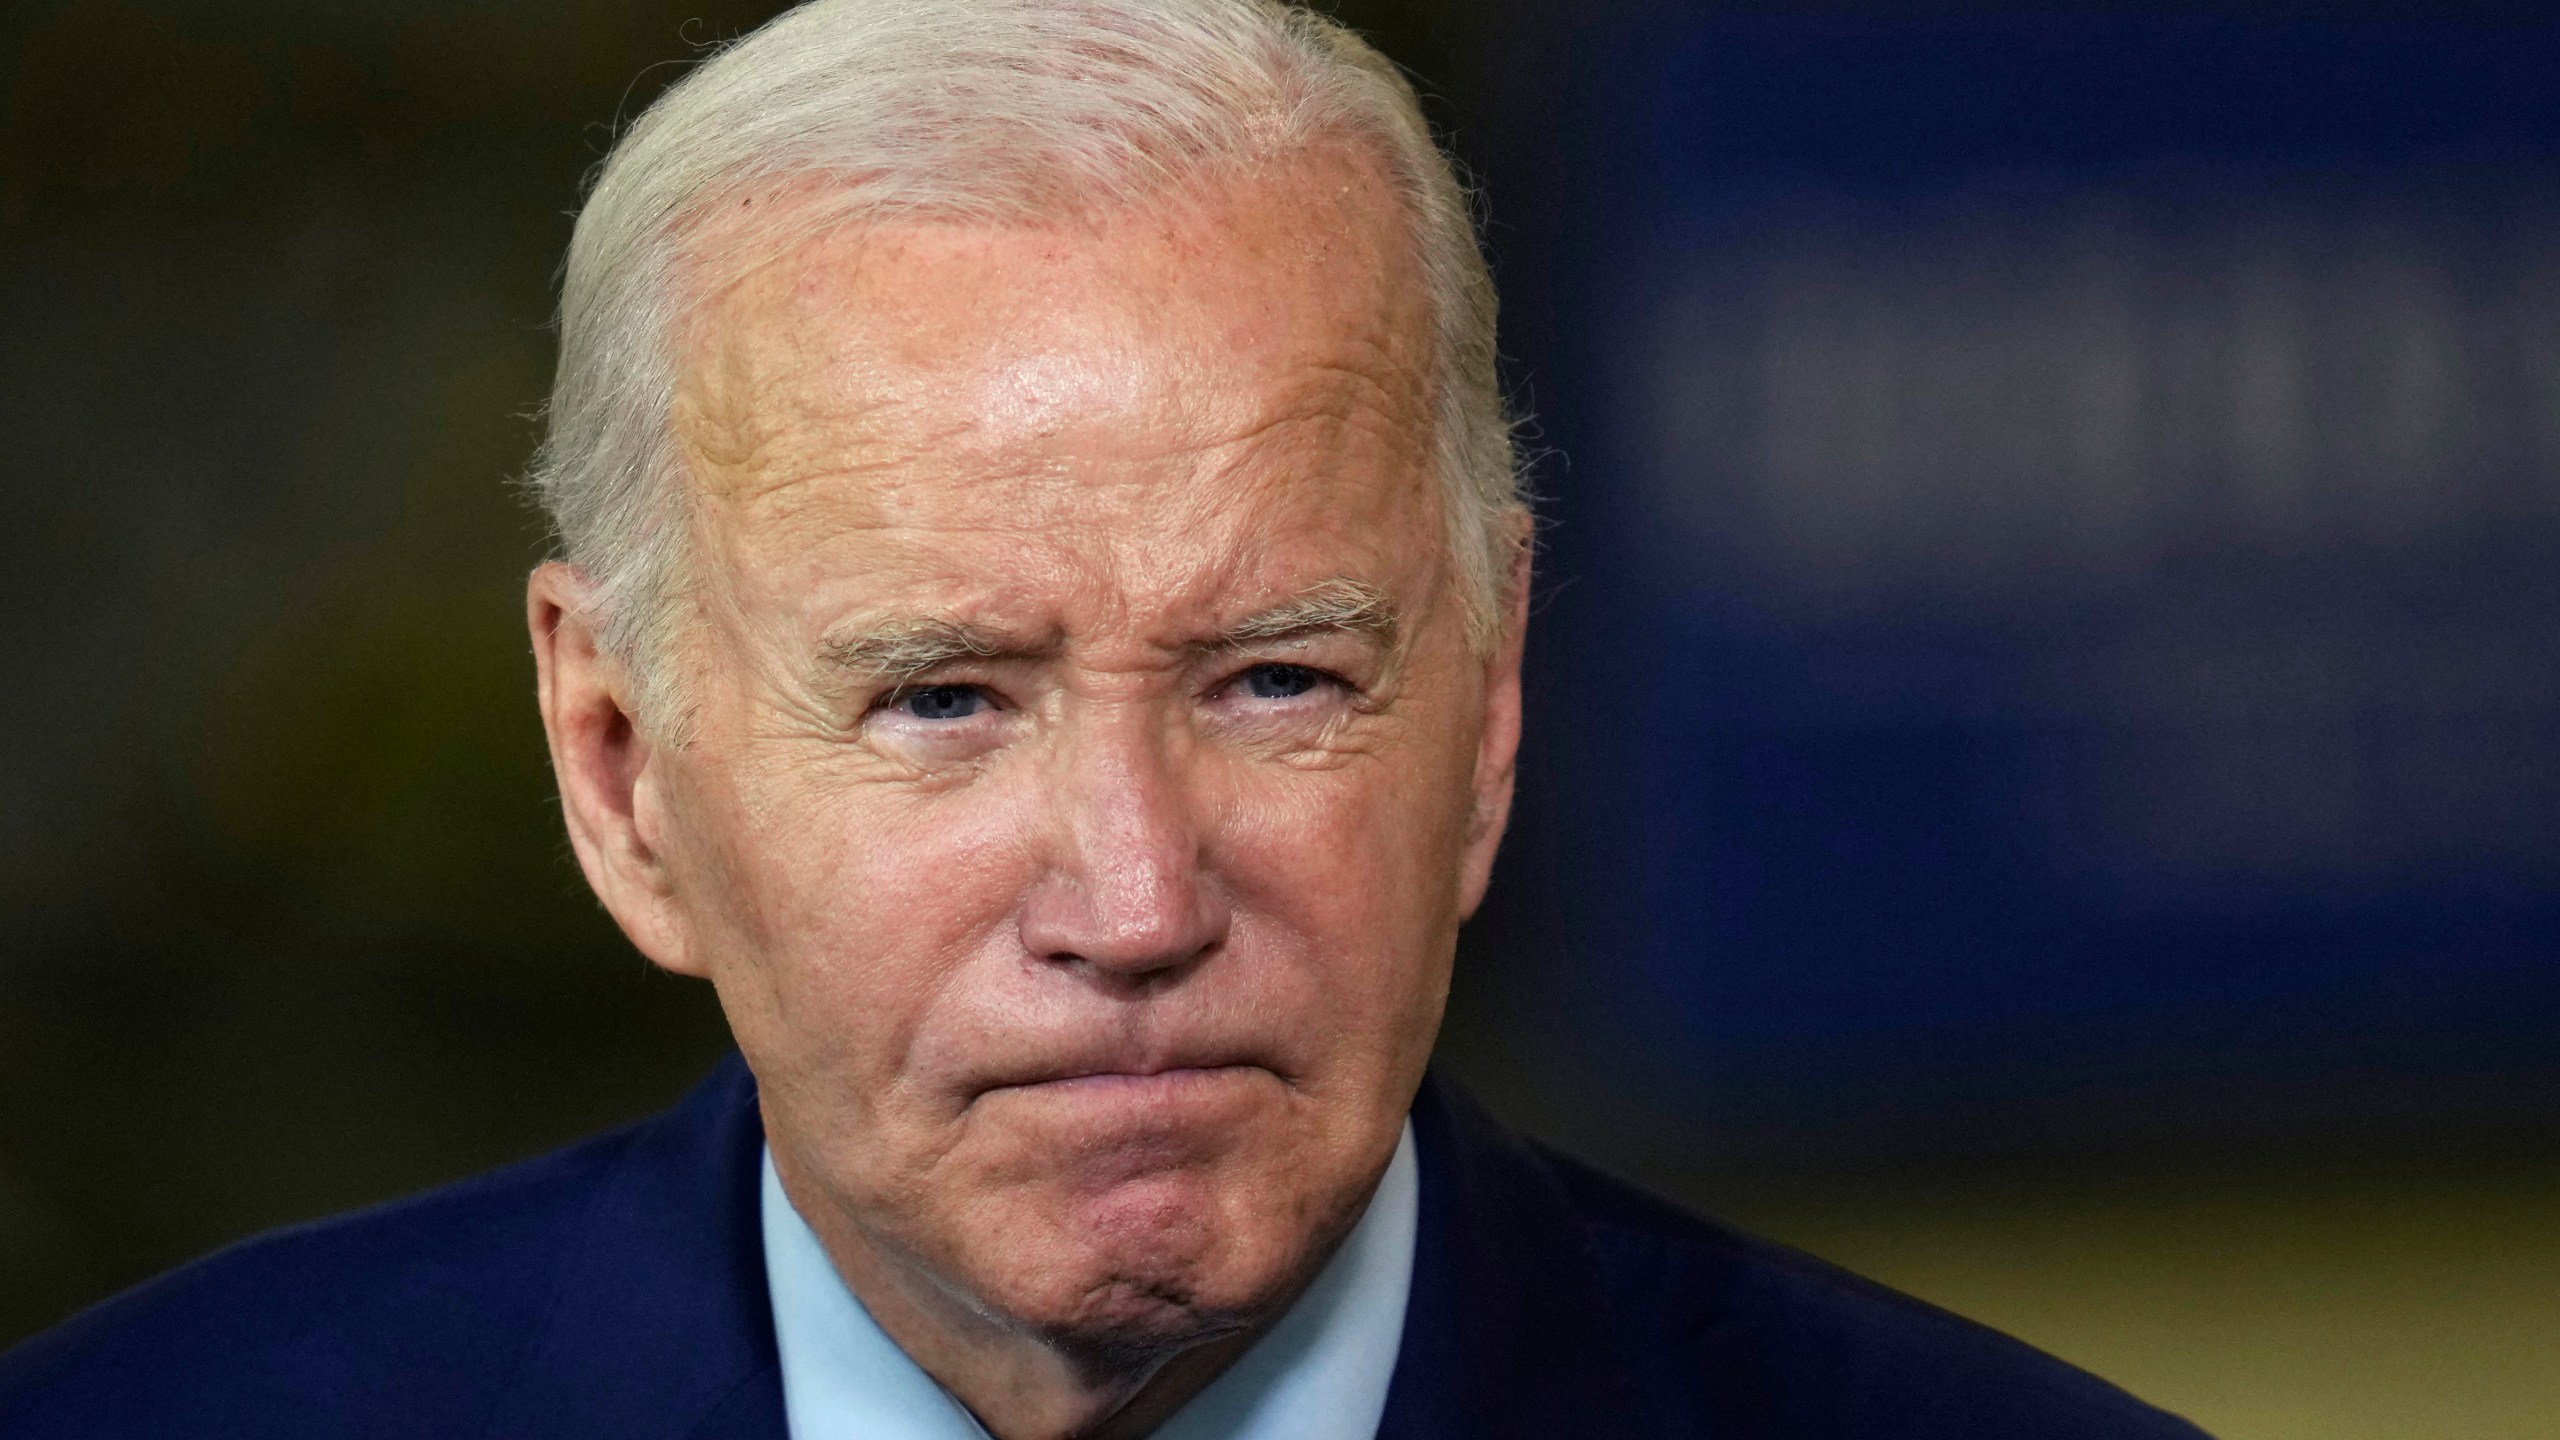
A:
(1019, 1381)
(1022, 1384)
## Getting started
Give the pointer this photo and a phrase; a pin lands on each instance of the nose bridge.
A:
(1126, 890)
(1127, 811)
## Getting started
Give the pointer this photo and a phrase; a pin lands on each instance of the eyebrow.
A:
(895, 651)
(1340, 604)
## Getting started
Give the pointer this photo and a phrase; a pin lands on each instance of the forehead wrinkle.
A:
(1289, 449)
(1378, 353)
(1335, 398)
(1332, 407)
(767, 403)
(790, 437)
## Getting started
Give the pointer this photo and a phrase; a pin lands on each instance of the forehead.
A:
(1185, 387)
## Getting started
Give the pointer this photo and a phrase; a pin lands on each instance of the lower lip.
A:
(1170, 1084)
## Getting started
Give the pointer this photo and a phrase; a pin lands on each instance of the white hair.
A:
(1001, 111)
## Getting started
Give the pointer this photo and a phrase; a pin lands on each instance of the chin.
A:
(1149, 1263)
(1125, 1216)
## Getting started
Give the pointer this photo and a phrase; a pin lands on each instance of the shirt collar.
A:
(1320, 1374)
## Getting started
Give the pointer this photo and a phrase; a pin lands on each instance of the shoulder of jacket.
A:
(1766, 1339)
(409, 1305)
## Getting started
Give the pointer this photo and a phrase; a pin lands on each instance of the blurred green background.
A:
(287, 924)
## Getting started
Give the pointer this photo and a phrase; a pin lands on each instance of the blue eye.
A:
(943, 702)
(1280, 682)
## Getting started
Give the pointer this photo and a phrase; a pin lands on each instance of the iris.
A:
(943, 702)
(1279, 682)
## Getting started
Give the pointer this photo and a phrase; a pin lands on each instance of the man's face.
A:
(1087, 770)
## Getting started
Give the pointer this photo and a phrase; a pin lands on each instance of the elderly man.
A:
(1039, 630)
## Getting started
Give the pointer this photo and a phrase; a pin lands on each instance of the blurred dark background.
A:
(2042, 778)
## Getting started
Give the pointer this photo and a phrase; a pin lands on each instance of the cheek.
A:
(847, 909)
(1360, 860)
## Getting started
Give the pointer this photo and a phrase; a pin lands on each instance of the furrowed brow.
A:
(895, 651)
(1338, 605)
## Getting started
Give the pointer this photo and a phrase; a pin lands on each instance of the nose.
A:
(1122, 896)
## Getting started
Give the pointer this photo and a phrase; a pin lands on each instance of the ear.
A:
(1498, 742)
(612, 776)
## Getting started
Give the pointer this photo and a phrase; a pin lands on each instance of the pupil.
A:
(1280, 682)
(943, 702)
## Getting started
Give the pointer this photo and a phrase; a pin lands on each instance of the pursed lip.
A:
(1171, 1075)
(1099, 1073)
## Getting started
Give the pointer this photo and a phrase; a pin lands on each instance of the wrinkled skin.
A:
(1088, 970)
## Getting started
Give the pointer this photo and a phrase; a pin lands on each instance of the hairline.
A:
(635, 536)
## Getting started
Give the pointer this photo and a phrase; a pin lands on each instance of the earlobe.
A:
(607, 767)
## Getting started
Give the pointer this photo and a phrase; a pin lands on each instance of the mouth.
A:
(1132, 1084)
(1171, 1075)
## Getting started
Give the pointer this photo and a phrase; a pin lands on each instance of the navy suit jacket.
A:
(616, 1289)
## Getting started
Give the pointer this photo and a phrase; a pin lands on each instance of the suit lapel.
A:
(1507, 1332)
(663, 1330)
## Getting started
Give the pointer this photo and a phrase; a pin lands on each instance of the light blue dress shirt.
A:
(1320, 1374)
